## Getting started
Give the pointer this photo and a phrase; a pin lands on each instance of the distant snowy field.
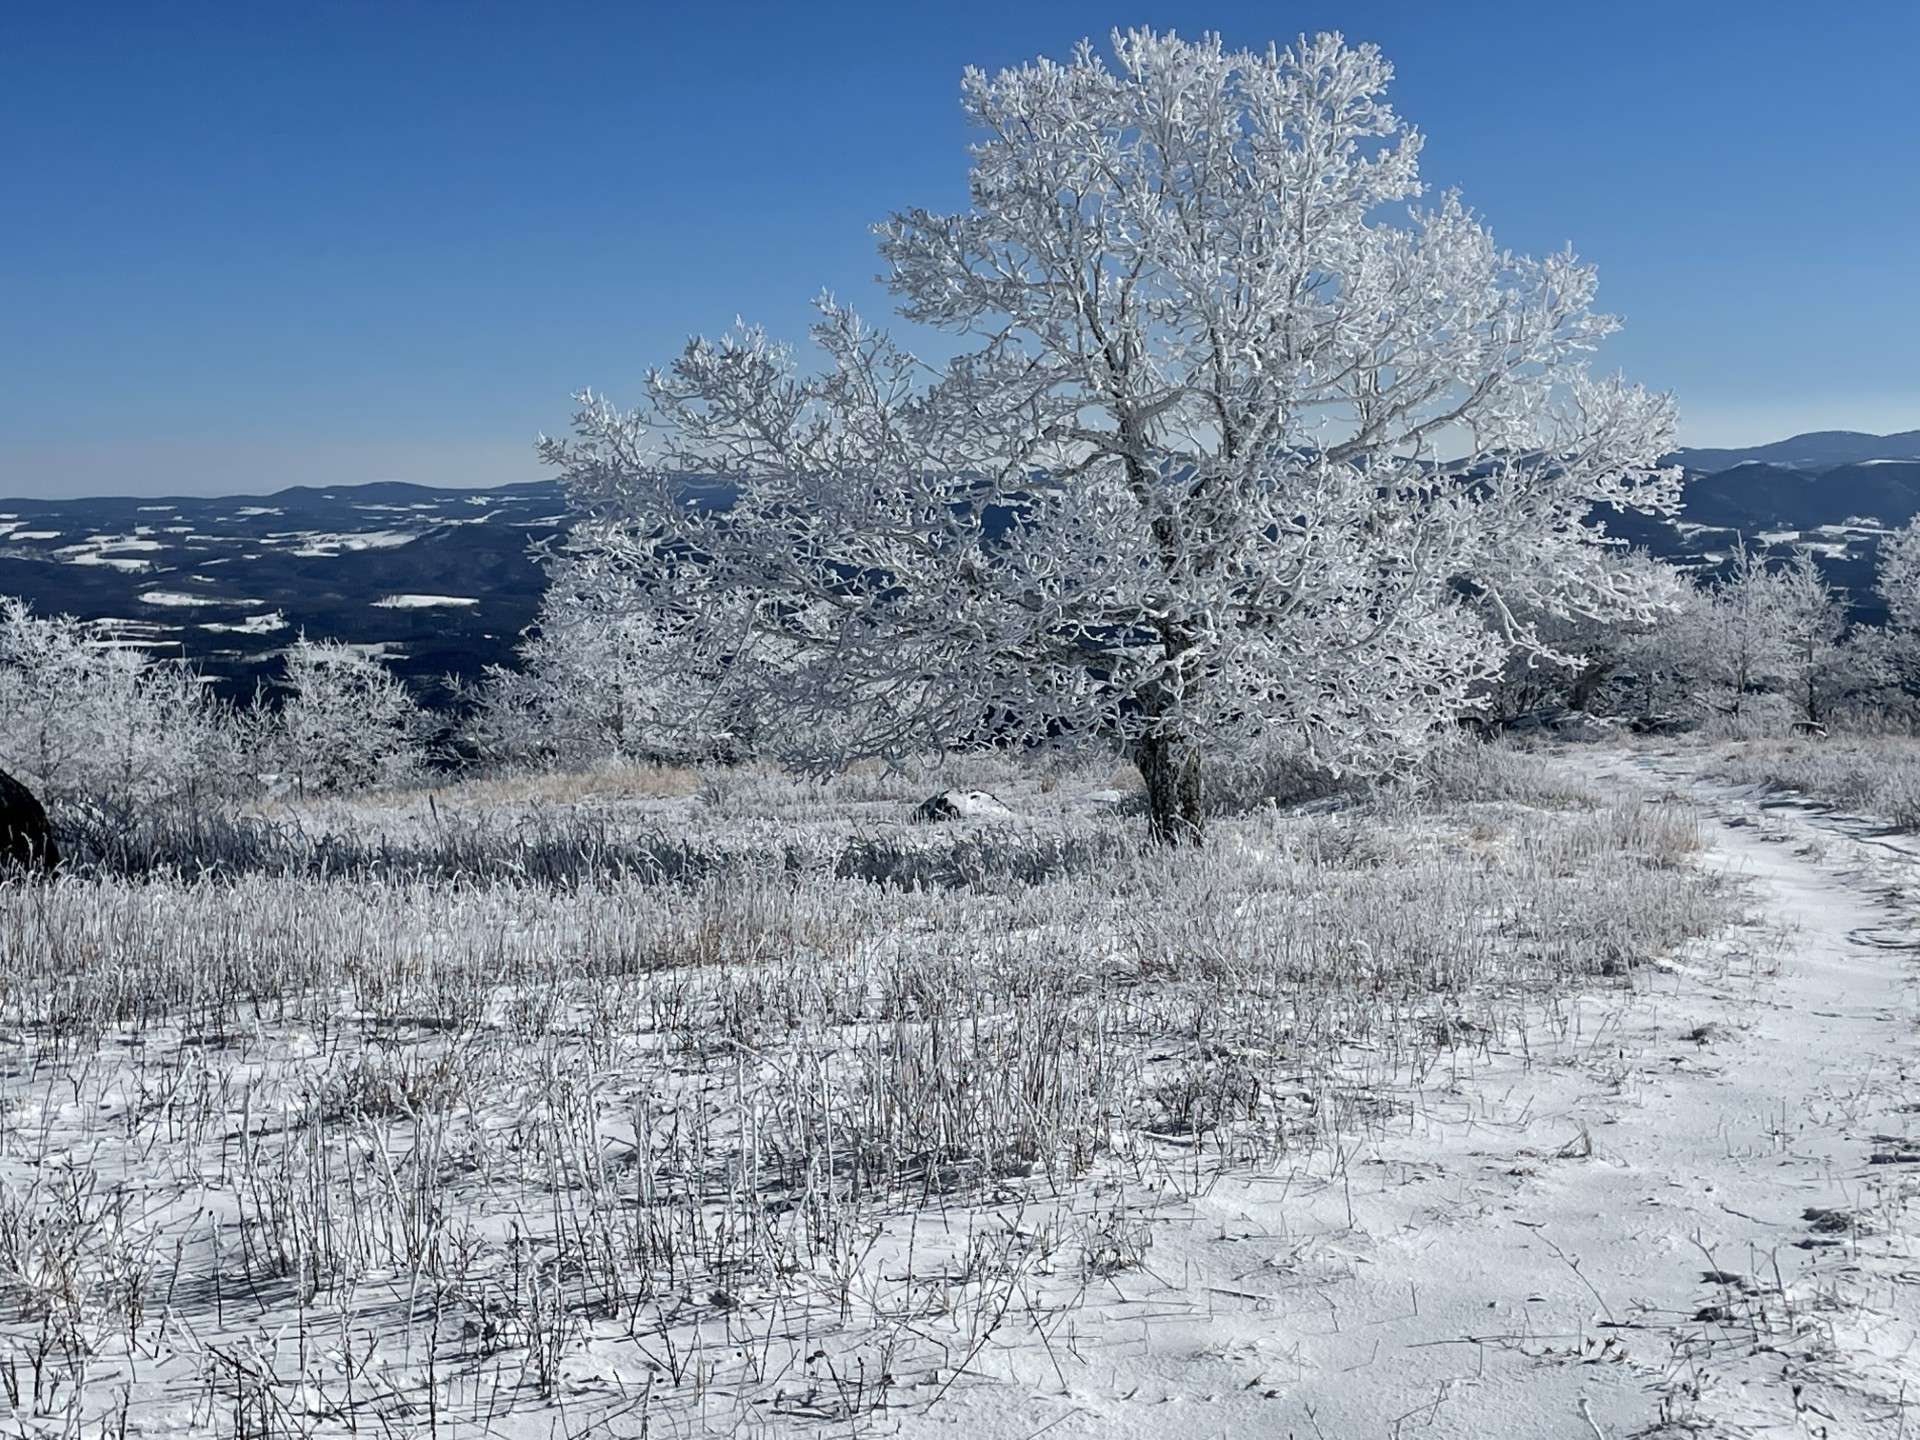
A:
(441, 581)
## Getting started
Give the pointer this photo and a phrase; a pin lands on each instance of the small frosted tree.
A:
(83, 717)
(1762, 634)
(599, 678)
(1242, 444)
(46, 665)
(1739, 650)
(347, 722)
(1818, 668)
(1896, 650)
(1667, 658)
(1897, 579)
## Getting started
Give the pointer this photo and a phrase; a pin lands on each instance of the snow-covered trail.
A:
(1688, 1211)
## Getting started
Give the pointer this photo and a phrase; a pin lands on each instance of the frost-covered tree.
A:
(1666, 658)
(1896, 650)
(347, 722)
(598, 678)
(1818, 668)
(1241, 442)
(1898, 578)
(83, 717)
(45, 663)
(1763, 634)
(1737, 652)
(1585, 654)
(1887, 657)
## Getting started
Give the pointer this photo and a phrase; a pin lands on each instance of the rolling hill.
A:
(1815, 450)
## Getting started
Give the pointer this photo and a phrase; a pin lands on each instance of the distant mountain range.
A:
(1816, 450)
(1835, 493)
(441, 582)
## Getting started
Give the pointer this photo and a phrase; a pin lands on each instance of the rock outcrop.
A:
(962, 805)
(26, 839)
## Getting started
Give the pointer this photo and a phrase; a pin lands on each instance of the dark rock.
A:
(26, 839)
(1546, 718)
(1118, 802)
(962, 805)
(1662, 724)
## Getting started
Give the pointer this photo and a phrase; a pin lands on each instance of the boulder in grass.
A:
(26, 839)
(962, 805)
(1662, 724)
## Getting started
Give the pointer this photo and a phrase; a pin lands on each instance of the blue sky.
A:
(256, 245)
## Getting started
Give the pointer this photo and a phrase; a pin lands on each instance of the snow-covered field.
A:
(1574, 1097)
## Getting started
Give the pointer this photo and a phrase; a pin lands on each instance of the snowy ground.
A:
(1691, 1214)
(1479, 1118)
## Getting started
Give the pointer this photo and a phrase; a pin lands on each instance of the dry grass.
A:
(1875, 776)
(772, 1142)
(611, 782)
(1470, 773)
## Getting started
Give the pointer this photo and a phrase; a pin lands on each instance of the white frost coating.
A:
(85, 711)
(1897, 582)
(1758, 633)
(347, 722)
(1263, 430)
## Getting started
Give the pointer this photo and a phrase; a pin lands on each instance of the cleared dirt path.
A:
(1688, 1209)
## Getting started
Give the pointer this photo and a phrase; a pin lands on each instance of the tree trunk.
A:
(1170, 767)
(1587, 684)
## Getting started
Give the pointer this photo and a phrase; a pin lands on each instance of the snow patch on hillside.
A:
(262, 624)
(180, 598)
(317, 546)
(421, 602)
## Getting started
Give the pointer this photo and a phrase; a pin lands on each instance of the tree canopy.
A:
(1242, 440)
